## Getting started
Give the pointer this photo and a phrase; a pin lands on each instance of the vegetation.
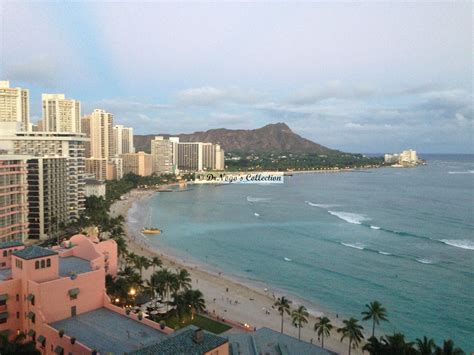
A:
(353, 331)
(283, 306)
(291, 161)
(376, 312)
(200, 321)
(17, 345)
(299, 317)
(323, 328)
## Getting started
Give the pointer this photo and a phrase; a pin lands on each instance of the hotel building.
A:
(54, 144)
(14, 105)
(13, 198)
(61, 114)
(57, 297)
(139, 163)
(123, 138)
(164, 152)
(198, 156)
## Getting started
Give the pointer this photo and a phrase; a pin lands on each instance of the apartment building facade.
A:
(14, 105)
(61, 114)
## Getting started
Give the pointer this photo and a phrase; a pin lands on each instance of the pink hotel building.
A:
(57, 297)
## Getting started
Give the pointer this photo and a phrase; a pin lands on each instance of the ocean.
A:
(336, 241)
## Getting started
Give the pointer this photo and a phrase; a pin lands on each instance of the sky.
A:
(359, 77)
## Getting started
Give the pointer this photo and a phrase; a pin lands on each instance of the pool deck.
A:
(109, 332)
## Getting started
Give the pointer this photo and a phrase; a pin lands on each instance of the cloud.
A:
(210, 96)
(332, 91)
(36, 70)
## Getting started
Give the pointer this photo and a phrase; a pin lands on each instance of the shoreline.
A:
(228, 296)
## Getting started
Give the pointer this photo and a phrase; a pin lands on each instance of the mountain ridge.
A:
(272, 138)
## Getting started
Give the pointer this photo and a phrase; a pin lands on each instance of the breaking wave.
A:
(425, 261)
(459, 243)
(384, 252)
(349, 217)
(257, 199)
(375, 227)
(320, 205)
(355, 245)
(461, 172)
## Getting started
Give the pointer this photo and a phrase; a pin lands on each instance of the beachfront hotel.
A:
(13, 198)
(14, 105)
(52, 145)
(57, 297)
(164, 152)
(61, 114)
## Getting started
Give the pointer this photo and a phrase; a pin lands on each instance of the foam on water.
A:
(461, 172)
(375, 227)
(257, 199)
(425, 261)
(384, 252)
(349, 217)
(355, 245)
(459, 243)
(320, 205)
(256, 214)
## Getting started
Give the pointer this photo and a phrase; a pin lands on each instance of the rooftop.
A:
(270, 342)
(34, 252)
(182, 342)
(109, 332)
(11, 244)
(70, 264)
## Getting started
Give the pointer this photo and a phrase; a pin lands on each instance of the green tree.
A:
(141, 263)
(283, 306)
(425, 346)
(156, 262)
(17, 345)
(183, 279)
(353, 331)
(373, 346)
(299, 317)
(376, 312)
(195, 301)
(323, 328)
(396, 345)
(449, 349)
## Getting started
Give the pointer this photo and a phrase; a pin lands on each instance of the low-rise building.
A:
(95, 188)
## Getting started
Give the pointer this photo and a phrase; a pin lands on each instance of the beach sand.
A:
(253, 306)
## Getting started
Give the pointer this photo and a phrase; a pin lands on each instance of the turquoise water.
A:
(401, 236)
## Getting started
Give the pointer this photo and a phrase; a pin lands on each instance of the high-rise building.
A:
(54, 144)
(190, 156)
(139, 163)
(98, 127)
(115, 168)
(164, 152)
(61, 114)
(14, 105)
(47, 196)
(13, 198)
(123, 139)
(198, 156)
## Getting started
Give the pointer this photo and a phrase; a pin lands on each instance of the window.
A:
(17, 315)
(17, 297)
(5, 253)
(37, 264)
(3, 320)
(3, 302)
(48, 262)
(43, 264)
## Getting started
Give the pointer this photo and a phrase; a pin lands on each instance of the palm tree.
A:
(396, 344)
(283, 306)
(373, 346)
(323, 328)
(183, 279)
(166, 283)
(449, 349)
(352, 330)
(195, 301)
(141, 263)
(300, 317)
(376, 312)
(18, 345)
(425, 346)
(156, 262)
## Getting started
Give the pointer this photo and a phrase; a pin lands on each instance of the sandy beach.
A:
(225, 296)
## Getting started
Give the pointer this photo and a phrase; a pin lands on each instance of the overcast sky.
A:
(373, 77)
